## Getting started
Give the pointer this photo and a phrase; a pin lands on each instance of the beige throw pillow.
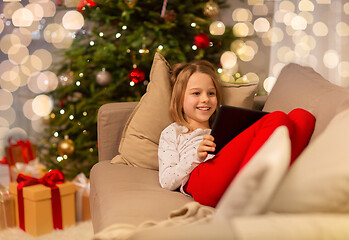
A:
(254, 186)
(239, 95)
(319, 180)
(302, 87)
(140, 138)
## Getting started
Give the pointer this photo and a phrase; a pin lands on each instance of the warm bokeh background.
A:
(41, 42)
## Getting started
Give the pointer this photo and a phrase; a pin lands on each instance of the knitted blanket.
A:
(191, 213)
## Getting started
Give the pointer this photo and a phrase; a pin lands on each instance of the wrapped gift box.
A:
(4, 175)
(33, 169)
(82, 205)
(37, 207)
(22, 154)
(85, 207)
(7, 209)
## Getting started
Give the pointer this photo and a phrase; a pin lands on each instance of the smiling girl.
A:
(184, 146)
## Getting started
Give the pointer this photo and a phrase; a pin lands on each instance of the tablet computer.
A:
(231, 121)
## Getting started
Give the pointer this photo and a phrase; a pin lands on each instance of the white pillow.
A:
(253, 187)
(319, 180)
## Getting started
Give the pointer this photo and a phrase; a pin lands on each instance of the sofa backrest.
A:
(301, 87)
(112, 118)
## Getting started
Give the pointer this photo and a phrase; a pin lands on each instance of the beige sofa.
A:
(310, 202)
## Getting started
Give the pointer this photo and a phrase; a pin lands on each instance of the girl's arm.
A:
(173, 171)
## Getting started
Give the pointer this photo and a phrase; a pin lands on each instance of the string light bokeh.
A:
(31, 31)
(311, 33)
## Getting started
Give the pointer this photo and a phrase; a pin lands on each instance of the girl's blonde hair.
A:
(179, 79)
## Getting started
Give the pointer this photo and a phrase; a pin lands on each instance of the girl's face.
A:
(200, 101)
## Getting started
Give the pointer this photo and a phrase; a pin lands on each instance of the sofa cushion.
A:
(255, 184)
(319, 180)
(129, 195)
(239, 95)
(302, 87)
(140, 139)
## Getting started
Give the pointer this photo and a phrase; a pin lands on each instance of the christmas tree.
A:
(109, 61)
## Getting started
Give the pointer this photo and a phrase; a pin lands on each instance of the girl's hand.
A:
(207, 145)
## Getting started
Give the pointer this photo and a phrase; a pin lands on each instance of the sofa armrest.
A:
(112, 118)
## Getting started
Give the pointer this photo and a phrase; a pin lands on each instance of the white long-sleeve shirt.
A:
(178, 155)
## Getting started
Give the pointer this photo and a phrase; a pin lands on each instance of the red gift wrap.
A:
(21, 151)
(44, 204)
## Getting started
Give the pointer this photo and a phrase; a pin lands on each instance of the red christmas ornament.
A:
(83, 3)
(136, 75)
(201, 40)
(61, 103)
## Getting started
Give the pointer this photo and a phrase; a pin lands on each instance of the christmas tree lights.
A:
(109, 61)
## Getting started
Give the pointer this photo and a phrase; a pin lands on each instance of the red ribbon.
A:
(26, 150)
(49, 180)
(3, 160)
